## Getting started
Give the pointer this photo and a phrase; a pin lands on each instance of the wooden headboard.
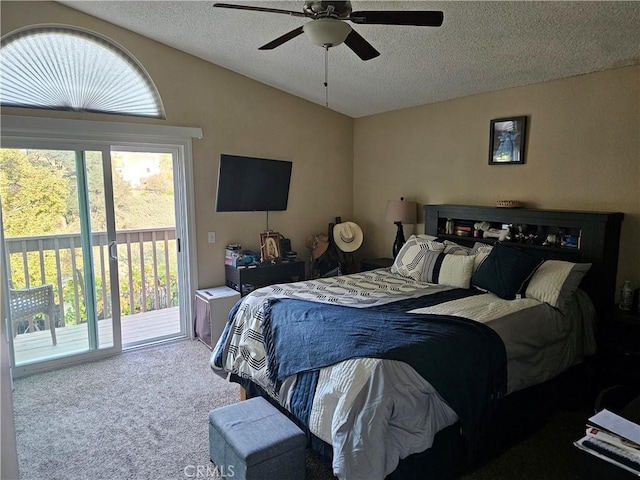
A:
(598, 234)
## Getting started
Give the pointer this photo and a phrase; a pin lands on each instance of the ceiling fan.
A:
(328, 27)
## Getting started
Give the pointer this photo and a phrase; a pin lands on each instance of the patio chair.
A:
(28, 302)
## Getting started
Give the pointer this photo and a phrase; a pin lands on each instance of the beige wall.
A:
(238, 116)
(583, 153)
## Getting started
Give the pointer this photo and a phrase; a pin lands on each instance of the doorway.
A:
(93, 245)
(144, 207)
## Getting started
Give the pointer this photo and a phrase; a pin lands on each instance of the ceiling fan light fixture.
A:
(327, 32)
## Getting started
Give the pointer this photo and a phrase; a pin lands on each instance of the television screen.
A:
(248, 184)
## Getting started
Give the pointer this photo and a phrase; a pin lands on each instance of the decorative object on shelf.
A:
(400, 212)
(525, 233)
(449, 226)
(463, 230)
(572, 241)
(500, 234)
(269, 246)
(507, 140)
(285, 245)
(233, 254)
(481, 227)
(347, 236)
(509, 204)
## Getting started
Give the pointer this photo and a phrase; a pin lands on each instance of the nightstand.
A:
(246, 279)
(619, 348)
(373, 263)
(211, 309)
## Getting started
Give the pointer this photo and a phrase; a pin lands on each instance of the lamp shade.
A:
(327, 31)
(401, 211)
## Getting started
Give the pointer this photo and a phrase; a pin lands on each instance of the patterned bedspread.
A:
(241, 347)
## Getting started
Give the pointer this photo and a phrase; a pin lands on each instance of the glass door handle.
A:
(113, 250)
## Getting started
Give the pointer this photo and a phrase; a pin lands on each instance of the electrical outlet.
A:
(212, 237)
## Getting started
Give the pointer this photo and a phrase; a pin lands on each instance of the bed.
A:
(403, 370)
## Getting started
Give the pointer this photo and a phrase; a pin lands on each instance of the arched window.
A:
(65, 68)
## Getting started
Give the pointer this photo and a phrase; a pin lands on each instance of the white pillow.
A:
(456, 249)
(448, 269)
(423, 236)
(556, 281)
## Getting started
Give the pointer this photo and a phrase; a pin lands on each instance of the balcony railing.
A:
(147, 262)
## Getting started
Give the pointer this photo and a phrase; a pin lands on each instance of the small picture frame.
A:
(507, 141)
(269, 246)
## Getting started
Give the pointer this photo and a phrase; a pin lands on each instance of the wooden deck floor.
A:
(135, 328)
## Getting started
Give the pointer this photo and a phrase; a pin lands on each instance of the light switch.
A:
(212, 237)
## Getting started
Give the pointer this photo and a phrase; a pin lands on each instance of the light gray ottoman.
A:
(252, 440)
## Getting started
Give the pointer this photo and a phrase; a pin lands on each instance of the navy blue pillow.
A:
(505, 271)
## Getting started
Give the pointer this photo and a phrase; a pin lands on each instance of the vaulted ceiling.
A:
(480, 47)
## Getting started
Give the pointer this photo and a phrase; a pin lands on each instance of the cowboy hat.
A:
(318, 244)
(347, 236)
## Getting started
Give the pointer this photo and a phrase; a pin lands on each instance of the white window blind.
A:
(64, 68)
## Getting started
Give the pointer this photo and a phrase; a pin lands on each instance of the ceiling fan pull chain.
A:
(326, 75)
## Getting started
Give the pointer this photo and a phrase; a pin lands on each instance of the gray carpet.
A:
(143, 415)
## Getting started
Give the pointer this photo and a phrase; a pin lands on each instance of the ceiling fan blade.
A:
(259, 9)
(421, 18)
(360, 46)
(280, 40)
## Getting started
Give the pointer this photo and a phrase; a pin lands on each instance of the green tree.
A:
(34, 199)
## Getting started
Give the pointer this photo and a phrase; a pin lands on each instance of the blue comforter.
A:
(464, 360)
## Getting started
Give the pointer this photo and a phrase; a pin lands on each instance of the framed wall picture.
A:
(269, 246)
(507, 140)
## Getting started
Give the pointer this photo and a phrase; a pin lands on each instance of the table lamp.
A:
(399, 212)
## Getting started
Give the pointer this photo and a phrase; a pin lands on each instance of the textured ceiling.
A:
(481, 46)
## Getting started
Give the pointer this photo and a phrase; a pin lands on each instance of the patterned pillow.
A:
(448, 269)
(481, 247)
(481, 252)
(556, 281)
(505, 271)
(410, 259)
(456, 249)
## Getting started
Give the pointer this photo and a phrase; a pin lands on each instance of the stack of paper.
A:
(614, 439)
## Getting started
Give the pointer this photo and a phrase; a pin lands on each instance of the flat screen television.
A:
(247, 184)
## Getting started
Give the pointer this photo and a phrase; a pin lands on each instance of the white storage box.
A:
(211, 310)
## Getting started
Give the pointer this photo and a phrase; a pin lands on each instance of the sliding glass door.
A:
(59, 231)
(145, 221)
(99, 242)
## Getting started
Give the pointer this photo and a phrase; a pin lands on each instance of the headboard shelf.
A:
(599, 236)
(550, 251)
